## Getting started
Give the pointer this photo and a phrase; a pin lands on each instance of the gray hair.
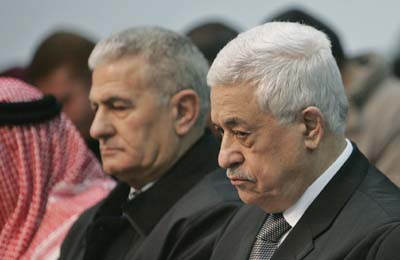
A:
(291, 66)
(175, 62)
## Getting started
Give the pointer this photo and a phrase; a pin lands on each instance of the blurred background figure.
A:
(14, 72)
(60, 67)
(211, 37)
(299, 15)
(373, 94)
(396, 63)
(47, 174)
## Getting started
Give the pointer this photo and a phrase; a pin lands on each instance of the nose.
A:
(230, 155)
(101, 126)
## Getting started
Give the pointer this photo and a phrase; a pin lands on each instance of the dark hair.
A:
(58, 50)
(396, 65)
(211, 37)
(300, 16)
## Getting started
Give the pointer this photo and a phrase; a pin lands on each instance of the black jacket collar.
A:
(324, 209)
(145, 210)
(317, 218)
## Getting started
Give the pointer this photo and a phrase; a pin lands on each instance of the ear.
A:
(314, 127)
(185, 110)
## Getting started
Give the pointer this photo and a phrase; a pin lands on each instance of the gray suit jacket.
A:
(356, 216)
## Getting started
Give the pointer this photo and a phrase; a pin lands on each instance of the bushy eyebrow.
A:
(234, 121)
(113, 99)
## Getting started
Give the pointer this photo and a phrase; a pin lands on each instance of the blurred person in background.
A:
(396, 63)
(14, 72)
(59, 67)
(373, 94)
(210, 38)
(47, 174)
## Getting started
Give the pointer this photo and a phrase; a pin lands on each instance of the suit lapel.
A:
(297, 244)
(240, 234)
(146, 210)
(324, 209)
(246, 240)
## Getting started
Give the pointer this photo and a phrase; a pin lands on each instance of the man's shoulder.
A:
(387, 244)
(382, 244)
(379, 194)
(86, 217)
(77, 233)
(114, 199)
(357, 188)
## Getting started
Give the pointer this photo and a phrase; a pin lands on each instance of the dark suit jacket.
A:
(178, 218)
(352, 218)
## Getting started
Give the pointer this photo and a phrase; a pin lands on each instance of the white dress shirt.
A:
(293, 214)
(134, 192)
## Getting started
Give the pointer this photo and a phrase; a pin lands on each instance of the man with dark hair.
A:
(211, 37)
(59, 67)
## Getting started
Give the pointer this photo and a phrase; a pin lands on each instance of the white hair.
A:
(291, 66)
(175, 62)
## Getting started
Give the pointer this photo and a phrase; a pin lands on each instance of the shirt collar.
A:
(293, 214)
(198, 161)
(134, 192)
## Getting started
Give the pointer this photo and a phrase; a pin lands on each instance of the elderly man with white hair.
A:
(278, 101)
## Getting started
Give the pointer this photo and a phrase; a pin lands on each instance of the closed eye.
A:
(117, 107)
(241, 134)
(118, 104)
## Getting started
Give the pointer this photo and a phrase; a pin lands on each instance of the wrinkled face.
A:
(135, 130)
(265, 160)
(73, 94)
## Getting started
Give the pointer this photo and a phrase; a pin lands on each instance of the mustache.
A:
(235, 173)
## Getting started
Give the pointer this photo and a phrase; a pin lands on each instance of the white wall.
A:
(362, 24)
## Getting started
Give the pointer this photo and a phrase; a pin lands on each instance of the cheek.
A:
(122, 160)
(113, 164)
(248, 197)
(268, 170)
(259, 163)
(141, 141)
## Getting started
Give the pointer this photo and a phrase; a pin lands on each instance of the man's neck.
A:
(184, 145)
(330, 150)
(294, 213)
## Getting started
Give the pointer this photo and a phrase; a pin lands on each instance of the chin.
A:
(247, 196)
(255, 199)
(112, 169)
(120, 175)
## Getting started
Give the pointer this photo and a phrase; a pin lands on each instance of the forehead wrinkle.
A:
(230, 105)
(114, 91)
